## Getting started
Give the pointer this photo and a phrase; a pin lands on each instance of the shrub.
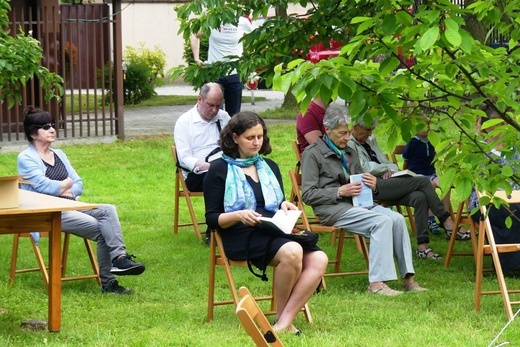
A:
(138, 84)
(144, 72)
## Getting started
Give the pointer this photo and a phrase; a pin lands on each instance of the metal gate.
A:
(80, 42)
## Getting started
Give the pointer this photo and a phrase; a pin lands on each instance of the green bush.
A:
(145, 71)
(138, 84)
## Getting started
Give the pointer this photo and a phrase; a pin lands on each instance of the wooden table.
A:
(40, 212)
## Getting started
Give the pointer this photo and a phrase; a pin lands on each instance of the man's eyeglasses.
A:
(47, 126)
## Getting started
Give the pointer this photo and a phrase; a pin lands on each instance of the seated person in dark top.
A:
(510, 262)
(418, 156)
(240, 187)
(416, 192)
(51, 173)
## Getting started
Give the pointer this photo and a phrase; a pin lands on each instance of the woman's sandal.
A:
(428, 254)
(461, 235)
(295, 330)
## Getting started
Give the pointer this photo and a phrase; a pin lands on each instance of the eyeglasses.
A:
(47, 126)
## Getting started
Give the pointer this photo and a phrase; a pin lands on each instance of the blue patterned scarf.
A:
(341, 153)
(239, 195)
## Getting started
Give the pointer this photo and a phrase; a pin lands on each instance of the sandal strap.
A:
(424, 254)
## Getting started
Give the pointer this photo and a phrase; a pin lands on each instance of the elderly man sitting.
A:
(417, 192)
(327, 188)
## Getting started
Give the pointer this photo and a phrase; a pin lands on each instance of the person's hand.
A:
(350, 189)
(204, 166)
(286, 206)
(370, 180)
(388, 174)
(249, 217)
(199, 62)
(67, 193)
(67, 183)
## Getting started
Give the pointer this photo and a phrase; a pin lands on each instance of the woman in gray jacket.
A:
(327, 188)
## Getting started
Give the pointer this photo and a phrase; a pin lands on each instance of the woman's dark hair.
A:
(237, 125)
(34, 119)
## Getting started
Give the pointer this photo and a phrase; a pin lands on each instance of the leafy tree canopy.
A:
(458, 76)
(20, 58)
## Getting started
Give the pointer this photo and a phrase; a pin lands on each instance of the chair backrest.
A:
(296, 183)
(493, 249)
(298, 156)
(181, 189)
(398, 150)
(254, 321)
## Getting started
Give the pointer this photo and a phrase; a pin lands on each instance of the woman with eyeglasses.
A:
(50, 172)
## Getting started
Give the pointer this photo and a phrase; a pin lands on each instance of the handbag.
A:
(307, 239)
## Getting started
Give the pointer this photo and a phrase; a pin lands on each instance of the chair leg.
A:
(194, 219)
(212, 267)
(41, 263)
(479, 267)
(92, 258)
(176, 207)
(14, 259)
(65, 254)
(411, 218)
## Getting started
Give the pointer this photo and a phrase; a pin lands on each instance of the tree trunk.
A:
(473, 26)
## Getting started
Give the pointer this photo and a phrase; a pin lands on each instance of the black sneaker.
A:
(114, 288)
(124, 265)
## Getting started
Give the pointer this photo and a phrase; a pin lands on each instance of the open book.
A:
(282, 221)
(404, 173)
(364, 199)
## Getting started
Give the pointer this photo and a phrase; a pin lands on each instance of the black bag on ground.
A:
(307, 239)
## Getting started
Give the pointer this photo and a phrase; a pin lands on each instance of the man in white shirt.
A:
(196, 134)
(224, 42)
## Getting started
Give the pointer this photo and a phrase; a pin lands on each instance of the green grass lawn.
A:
(170, 300)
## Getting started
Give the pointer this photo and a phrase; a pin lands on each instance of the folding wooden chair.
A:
(254, 322)
(398, 150)
(493, 249)
(462, 216)
(218, 257)
(181, 189)
(41, 264)
(319, 228)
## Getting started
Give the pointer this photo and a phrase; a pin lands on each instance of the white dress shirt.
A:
(195, 138)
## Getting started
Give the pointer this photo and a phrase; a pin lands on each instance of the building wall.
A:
(156, 24)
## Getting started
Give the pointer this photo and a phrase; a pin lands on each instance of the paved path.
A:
(158, 120)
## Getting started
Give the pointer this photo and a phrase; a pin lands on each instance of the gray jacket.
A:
(322, 175)
(360, 161)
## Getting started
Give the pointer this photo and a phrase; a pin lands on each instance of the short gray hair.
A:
(335, 116)
(361, 123)
(205, 89)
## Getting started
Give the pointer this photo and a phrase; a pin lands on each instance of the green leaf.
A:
(389, 25)
(453, 37)
(356, 20)
(509, 222)
(507, 171)
(429, 38)
(389, 65)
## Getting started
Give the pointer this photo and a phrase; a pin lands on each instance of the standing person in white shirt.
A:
(223, 43)
(196, 134)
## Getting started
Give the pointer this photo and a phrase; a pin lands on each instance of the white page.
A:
(364, 199)
(284, 222)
